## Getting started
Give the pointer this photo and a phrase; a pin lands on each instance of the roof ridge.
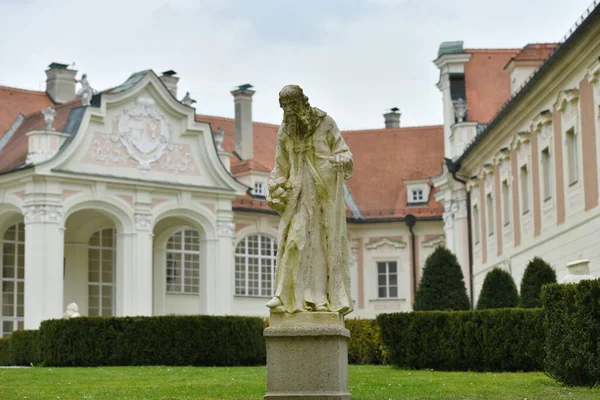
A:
(492, 50)
(389, 130)
(24, 90)
(233, 119)
(56, 107)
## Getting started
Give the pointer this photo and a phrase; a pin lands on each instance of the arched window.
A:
(183, 262)
(13, 279)
(101, 273)
(255, 259)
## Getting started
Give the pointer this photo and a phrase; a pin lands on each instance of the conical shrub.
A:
(537, 274)
(442, 285)
(498, 291)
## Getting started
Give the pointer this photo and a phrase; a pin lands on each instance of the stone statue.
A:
(218, 137)
(72, 311)
(187, 100)
(49, 113)
(86, 92)
(306, 189)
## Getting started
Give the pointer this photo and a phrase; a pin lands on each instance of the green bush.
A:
(169, 340)
(498, 291)
(442, 285)
(572, 325)
(491, 340)
(5, 358)
(537, 274)
(25, 348)
(364, 346)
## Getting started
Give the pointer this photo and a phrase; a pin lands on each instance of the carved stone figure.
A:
(49, 113)
(72, 311)
(306, 189)
(218, 137)
(86, 92)
(460, 109)
(187, 100)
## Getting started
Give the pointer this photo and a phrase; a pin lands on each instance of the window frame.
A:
(489, 205)
(387, 286)
(182, 269)
(101, 284)
(17, 283)
(524, 186)
(243, 272)
(572, 144)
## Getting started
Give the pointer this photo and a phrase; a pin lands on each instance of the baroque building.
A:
(521, 148)
(128, 202)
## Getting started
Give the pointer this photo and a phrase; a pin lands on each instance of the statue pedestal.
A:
(307, 356)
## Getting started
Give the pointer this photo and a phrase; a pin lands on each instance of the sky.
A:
(355, 59)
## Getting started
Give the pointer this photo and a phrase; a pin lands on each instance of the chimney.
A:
(242, 99)
(170, 81)
(392, 118)
(60, 83)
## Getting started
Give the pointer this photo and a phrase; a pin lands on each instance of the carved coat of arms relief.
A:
(141, 134)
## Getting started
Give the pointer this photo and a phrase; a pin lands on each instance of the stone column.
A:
(307, 356)
(223, 277)
(142, 268)
(44, 264)
(461, 239)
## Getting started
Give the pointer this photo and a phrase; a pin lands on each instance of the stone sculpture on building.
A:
(86, 92)
(306, 188)
(187, 100)
(49, 113)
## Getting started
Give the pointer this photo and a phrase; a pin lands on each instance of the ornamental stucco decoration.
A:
(49, 113)
(225, 228)
(143, 222)
(460, 109)
(143, 132)
(42, 214)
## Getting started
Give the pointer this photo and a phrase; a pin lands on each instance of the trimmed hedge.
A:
(572, 326)
(498, 291)
(364, 346)
(170, 340)
(491, 340)
(25, 348)
(5, 358)
(442, 286)
(537, 274)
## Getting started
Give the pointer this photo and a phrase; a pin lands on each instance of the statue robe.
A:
(312, 260)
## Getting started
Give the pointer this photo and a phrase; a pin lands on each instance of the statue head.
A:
(293, 101)
(73, 307)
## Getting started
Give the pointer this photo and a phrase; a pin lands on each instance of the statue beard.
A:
(297, 125)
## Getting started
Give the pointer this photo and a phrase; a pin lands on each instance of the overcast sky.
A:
(354, 58)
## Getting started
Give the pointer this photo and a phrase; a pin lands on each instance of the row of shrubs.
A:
(442, 285)
(171, 340)
(489, 340)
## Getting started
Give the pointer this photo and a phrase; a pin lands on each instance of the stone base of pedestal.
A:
(307, 356)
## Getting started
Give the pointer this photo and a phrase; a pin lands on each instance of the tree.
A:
(442, 285)
(537, 274)
(498, 291)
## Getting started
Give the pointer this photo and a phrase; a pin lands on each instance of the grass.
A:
(366, 382)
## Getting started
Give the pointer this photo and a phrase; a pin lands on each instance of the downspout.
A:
(411, 220)
(453, 168)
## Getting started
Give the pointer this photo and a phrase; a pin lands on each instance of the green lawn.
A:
(366, 382)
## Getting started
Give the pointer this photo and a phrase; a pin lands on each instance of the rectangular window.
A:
(524, 177)
(417, 195)
(259, 189)
(572, 156)
(505, 203)
(476, 225)
(387, 279)
(489, 204)
(547, 173)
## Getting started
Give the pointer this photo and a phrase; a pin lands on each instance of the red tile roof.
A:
(15, 101)
(14, 153)
(487, 84)
(384, 160)
(536, 52)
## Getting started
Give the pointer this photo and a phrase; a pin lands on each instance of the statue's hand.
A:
(277, 194)
(341, 162)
